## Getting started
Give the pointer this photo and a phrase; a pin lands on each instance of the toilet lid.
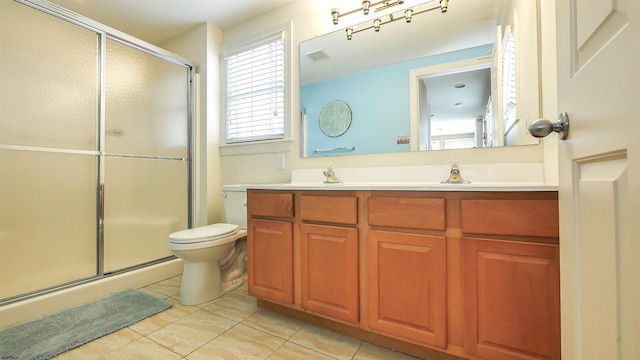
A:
(204, 233)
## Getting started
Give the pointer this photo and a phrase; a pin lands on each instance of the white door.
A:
(598, 45)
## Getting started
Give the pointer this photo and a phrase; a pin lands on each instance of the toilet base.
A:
(204, 281)
(231, 285)
(201, 282)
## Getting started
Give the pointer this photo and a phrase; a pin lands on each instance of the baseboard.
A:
(51, 303)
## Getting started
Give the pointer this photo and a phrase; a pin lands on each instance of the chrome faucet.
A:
(331, 176)
(454, 176)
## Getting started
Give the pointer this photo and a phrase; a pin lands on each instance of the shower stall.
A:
(95, 150)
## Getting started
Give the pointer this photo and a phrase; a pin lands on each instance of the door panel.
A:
(400, 264)
(145, 201)
(599, 169)
(47, 220)
(270, 251)
(147, 104)
(48, 87)
(511, 299)
(329, 271)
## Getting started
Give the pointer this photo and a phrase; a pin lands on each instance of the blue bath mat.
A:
(54, 334)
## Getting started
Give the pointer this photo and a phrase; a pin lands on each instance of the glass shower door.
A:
(48, 151)
(146, 167)
(94, 151)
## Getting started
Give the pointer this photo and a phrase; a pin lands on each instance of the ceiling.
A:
(156, 21)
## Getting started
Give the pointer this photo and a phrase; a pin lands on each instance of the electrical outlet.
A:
(280, 162)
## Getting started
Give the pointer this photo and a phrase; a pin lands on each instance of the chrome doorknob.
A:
(543, 127)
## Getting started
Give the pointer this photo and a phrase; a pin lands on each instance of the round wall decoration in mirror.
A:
(335, 118)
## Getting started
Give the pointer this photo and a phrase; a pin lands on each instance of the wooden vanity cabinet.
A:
(440, 275)
(270, 246)
(406, 269)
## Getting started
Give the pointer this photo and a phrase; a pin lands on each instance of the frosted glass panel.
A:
(145, 201)
(147, 104)
(47, 220)
(48, 87)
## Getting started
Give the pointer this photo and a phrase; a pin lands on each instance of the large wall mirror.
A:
(443, 81)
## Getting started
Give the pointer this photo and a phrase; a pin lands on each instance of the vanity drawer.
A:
(270, 204)
(414, 213)
(333, 209)
(537, 218)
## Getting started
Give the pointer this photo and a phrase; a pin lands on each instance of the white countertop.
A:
(482, 177)
(407, 186)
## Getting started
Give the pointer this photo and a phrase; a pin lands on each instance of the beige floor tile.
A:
(370, 351)
(190, 332)
(273, 323)
(142, 349)
(290, 351)
(153, 293)
(101, 346)
(235, 306)
(164, 318)
(326, 341)
(169, 287)
(239, 343)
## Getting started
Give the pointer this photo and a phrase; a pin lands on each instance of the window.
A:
(256, 92)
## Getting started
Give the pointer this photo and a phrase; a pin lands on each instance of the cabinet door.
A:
(407, 286)
(511, 299)
(270, 251)
(329, 270)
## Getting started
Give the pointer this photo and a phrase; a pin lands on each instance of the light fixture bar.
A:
(378, 22)
(365, 8)
(389, 4)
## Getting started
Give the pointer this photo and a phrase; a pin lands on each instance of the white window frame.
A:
(257, 146)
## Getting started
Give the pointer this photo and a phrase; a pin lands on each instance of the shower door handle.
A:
(101, 205)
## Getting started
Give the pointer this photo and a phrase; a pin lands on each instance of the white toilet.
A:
(213, 260)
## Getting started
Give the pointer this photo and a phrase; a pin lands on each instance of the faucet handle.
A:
(454, 175)
(331, 176)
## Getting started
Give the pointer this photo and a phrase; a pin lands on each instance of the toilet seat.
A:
(204, 233)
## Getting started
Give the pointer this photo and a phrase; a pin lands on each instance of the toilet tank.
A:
(235, 204)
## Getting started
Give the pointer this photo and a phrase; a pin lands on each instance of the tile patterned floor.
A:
(230, 327)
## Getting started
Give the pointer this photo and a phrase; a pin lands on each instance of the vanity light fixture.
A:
(376, 24)
(367, 5)
(444, 5)
(349, 33)
(408, 14)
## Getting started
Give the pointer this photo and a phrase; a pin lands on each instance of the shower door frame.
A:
(103, 34)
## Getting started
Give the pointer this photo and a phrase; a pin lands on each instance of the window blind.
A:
(255, 92)
(509, 72)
